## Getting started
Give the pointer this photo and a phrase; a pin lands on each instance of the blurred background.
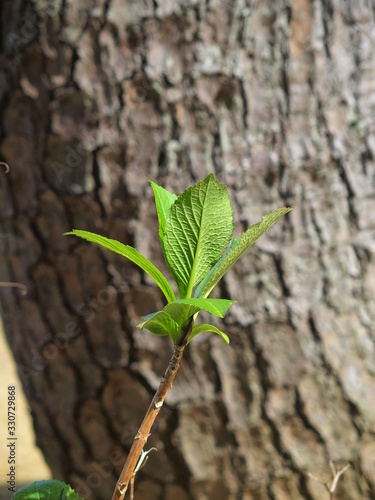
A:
(277, 98)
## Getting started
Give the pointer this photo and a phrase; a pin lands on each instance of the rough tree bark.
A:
(278, 99)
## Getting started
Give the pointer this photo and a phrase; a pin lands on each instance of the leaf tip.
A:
(286, 210)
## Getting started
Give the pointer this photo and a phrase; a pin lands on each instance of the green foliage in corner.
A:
(46, 490)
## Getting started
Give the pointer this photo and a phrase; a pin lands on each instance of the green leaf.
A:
(162, 324)
(163, 200)
(181, 313)
(133, 255)
(218, 307)
(174, 316)
(208, 276)
(197, 231)
(170, 320)
(46, 490)
(247, 239)
(207, 328)
(146, 318)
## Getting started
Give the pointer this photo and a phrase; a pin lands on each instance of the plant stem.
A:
(151, 414)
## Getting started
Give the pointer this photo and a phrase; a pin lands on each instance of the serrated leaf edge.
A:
(240, 248)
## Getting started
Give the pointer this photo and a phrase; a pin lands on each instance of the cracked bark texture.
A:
(276, 98)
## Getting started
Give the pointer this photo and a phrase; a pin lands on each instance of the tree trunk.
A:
(276, 98)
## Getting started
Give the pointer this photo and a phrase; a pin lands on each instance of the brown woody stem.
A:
(16, 285)
(156, 404)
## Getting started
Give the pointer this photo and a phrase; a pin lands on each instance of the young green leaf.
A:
(173, 317)
(46, 490)
(146, 318)
(207, 328)
(133, 255)
(162, 324)
(197, 231)
(218, 307)
(181, 313)
(163, 200)
(170, 320)
(247, 239)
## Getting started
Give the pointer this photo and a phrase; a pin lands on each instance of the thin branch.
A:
(333, 469)
(311, 476)
(336, 476)
(5, 165)
(157, 402)
(16, 285)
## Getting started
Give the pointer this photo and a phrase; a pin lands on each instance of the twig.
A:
(5, 165)
(7, 283)
(143, 433)
(336, 476)
(17, 285)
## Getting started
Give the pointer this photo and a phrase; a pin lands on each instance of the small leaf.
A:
(46, 490)
(163, 200)
(197, 231)
(146, 318)
(162, 324)
(247, 239)
(218, 307)
(169, 321)
(133, 255)
(207, 328)
(181, 313)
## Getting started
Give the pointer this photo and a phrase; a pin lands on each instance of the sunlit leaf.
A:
(207, 328)
(161, 323)
(197, 231)
(218, 307)
(181, 313)
(247, 239)
(163, 200)
(133, 255)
